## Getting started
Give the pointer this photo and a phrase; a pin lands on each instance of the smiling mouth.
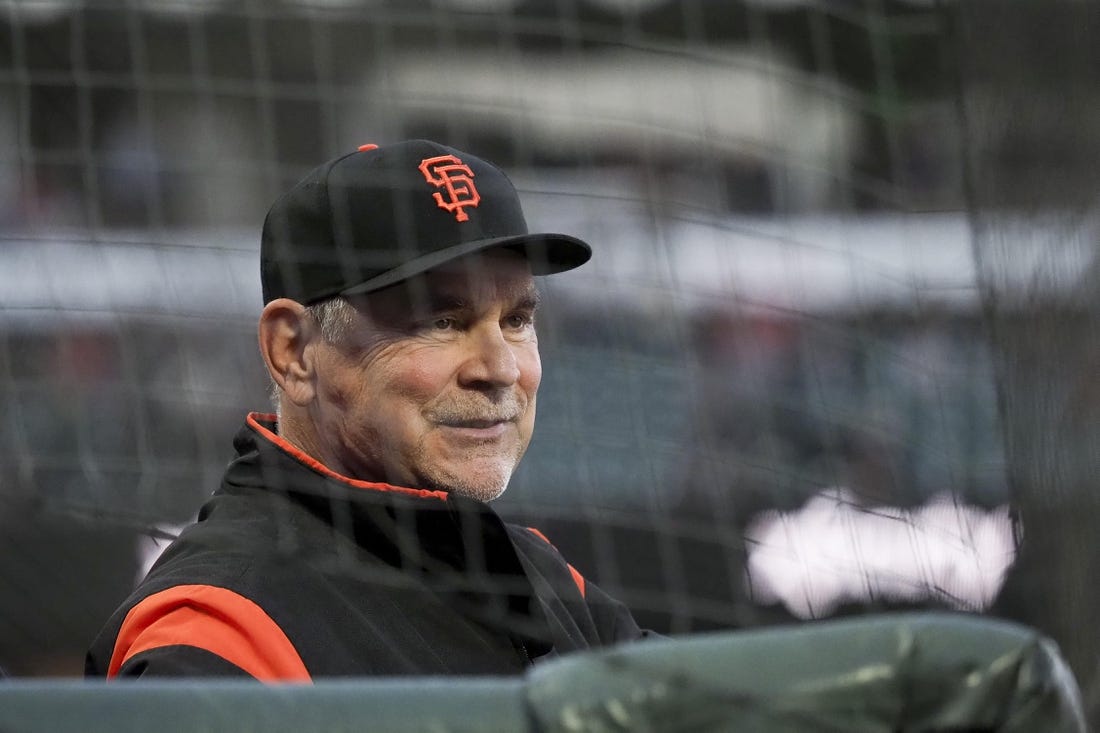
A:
(474, 424)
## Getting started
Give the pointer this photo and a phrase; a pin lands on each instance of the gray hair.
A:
(334, 318)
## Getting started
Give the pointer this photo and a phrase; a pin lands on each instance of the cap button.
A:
(368, 146)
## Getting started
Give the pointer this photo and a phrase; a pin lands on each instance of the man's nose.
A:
(491, 361)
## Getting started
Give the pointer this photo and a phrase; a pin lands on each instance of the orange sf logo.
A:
(456, 179)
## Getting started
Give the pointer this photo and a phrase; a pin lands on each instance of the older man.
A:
(351, 534)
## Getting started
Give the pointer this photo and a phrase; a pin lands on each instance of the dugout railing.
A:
(904, 672)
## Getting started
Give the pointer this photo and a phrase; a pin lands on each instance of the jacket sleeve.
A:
(202, 630)
(614, 620)
(178, 661)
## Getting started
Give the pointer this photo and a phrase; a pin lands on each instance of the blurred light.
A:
(628, 6)
(734, 106)
(833, 550)
(36, 11)
(778, 4)
(182, 7)
(481, 6)
(150, 547)
(335, 4)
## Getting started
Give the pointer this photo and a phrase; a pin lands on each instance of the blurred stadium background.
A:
(838, 352)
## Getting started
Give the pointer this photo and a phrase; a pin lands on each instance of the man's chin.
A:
(479, 493)
(480, 473)
(482, 485)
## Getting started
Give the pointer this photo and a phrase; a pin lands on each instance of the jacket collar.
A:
(260, 434)
(459, 545)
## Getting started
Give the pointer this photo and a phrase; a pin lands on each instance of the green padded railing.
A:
(904, 672)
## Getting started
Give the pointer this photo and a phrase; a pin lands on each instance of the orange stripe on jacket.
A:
(215, 619)
(577, 577)
(297, 454)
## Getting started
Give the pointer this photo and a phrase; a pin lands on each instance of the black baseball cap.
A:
(375, 217)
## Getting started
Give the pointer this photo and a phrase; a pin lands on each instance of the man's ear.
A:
(286, 332)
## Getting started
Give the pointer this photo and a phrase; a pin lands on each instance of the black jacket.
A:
(294, 572)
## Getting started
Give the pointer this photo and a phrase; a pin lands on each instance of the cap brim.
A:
(547, 254)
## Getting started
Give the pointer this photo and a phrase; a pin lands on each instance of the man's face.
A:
(434, 386)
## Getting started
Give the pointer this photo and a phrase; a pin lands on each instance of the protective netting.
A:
(1034, 190)
(836, 348)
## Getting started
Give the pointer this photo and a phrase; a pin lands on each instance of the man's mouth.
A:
(476, 423)
(477, 415)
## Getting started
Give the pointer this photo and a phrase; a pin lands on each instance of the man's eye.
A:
(518, 320)
(443, 324)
